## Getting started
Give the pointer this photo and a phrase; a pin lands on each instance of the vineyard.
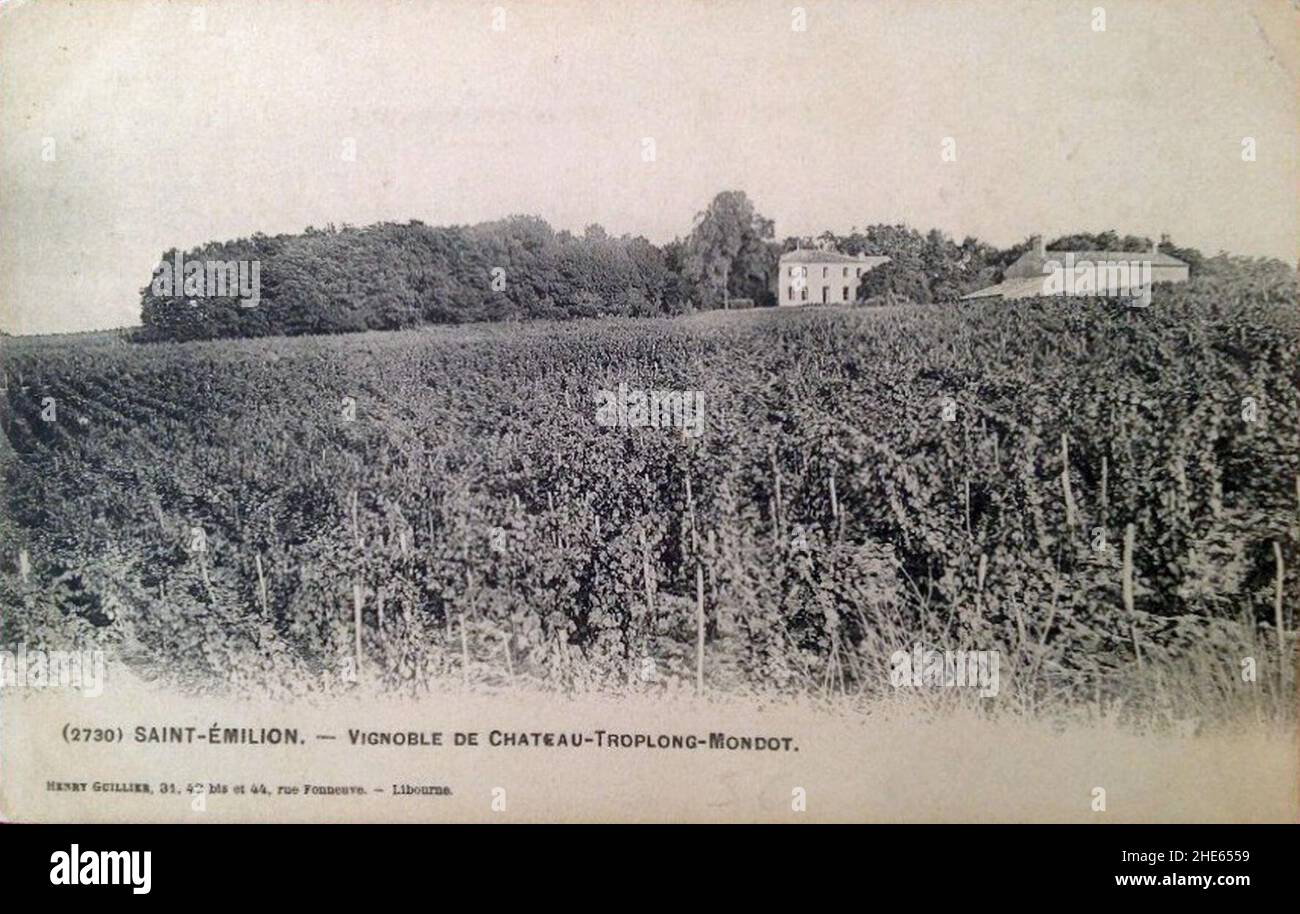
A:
(1109, 497)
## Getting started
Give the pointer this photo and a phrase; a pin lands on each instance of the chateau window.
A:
(846, 293)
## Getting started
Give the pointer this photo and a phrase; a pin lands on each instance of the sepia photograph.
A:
(698, 411)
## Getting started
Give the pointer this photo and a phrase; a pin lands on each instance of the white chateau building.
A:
(811, 277)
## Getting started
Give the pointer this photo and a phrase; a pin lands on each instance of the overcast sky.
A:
(177, 123)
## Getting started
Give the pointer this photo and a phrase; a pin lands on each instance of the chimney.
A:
(1037, 246)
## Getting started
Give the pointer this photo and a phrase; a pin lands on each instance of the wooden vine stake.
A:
(1279, 621)
(464, 653)
(690, 501)
(970, 535)
(356, 622)
(688, 524)
(776, 490)
(1065, 480)
(261, 583)
(158, 513)
(510, 663)
(713, 584)
(207, 581)
(776, 534)
(469, 575)
(356, 530)
(550, 509)
(24, 565)
(1129, 533)
(1105, 473)
(649, 580)
(699, 625)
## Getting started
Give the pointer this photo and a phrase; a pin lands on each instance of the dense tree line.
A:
(390, 275)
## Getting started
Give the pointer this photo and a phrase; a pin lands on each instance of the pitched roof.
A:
(1034, 286)
(808, 255)
(1027, 287)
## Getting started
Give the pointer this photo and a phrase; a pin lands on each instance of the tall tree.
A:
(727, 251)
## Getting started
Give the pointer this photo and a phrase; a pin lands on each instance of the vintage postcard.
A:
(690, 411)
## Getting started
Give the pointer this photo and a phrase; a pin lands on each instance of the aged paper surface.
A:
(674, 412)
(882, 767)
